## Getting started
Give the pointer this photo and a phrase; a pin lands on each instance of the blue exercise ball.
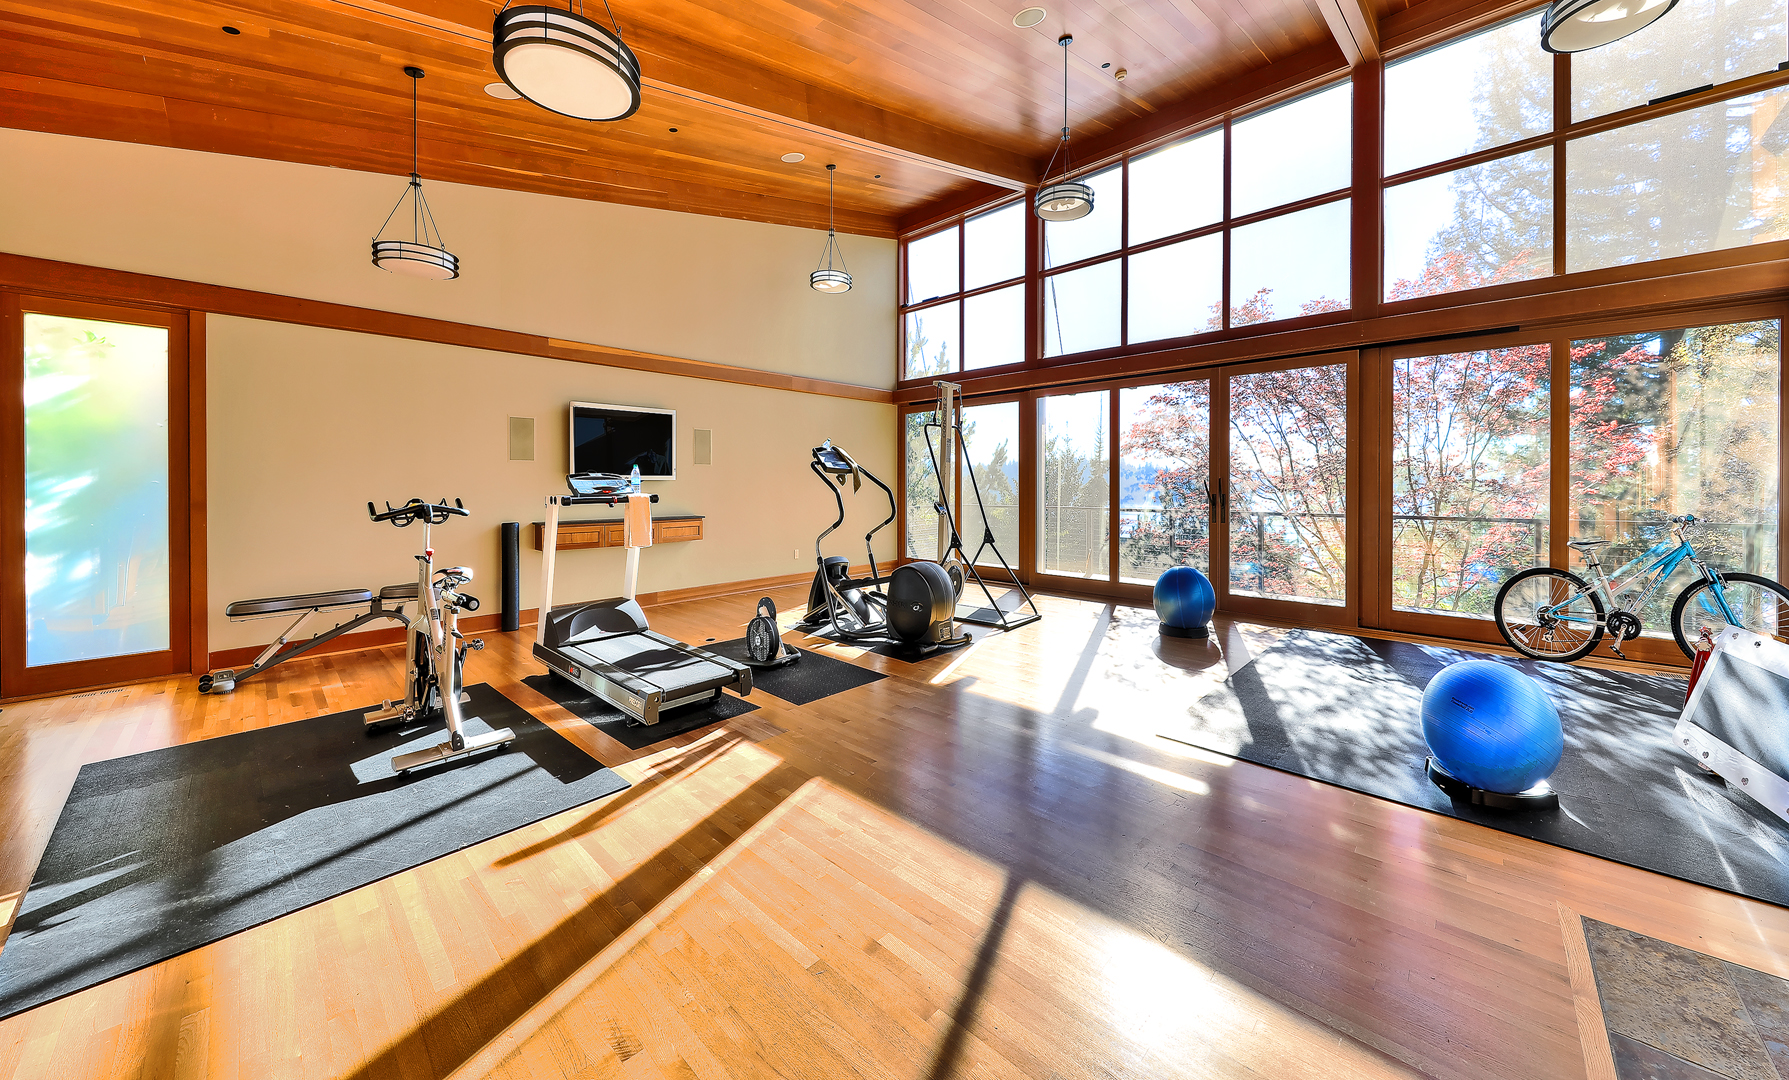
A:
(1491, 726)
(1183, 602)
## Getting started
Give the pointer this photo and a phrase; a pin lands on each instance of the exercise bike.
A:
(435, 650)
(913, 608)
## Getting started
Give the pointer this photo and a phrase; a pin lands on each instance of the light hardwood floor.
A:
(985, 865)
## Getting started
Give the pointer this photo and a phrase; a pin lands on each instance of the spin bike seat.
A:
(1586, 544)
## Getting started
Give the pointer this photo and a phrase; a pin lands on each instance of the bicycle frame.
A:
(1659, 571)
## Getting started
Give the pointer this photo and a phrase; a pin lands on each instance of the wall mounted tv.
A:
(615, 438)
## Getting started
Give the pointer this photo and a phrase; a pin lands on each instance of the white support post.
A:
(947, 448)
(549, 548)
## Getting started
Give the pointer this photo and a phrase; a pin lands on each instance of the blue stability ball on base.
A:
(1494, 735)
(1183, 602)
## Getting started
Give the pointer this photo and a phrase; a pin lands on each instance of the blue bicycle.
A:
(1552, 614)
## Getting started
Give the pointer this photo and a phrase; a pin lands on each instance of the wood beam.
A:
(673, 64)
(1352, 24)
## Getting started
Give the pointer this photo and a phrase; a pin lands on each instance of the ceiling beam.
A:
(672, 64)
(1354, 28)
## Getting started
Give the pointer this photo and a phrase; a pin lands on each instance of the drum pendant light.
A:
(566, 63)
(423, 255)
(826, 279)
(1066, 199)
(1576, 25)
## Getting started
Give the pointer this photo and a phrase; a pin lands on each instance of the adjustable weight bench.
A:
(307, 605)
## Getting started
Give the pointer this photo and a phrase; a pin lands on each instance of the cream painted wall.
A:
(703, 288)
(307, 425)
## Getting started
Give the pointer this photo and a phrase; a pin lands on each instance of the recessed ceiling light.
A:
(1031, 16)
(878, 176)
(1105, 65)
(673, 131)
(501, 91)
(793, 158)
(231, 30)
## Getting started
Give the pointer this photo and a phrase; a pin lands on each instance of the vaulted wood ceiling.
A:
(917, 102)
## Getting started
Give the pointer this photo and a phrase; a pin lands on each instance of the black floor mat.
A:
(809, 679)
(614, 723)
(1348, 711)
(162, 852)
(905, 654)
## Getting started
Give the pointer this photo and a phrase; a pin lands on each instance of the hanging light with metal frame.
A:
(424, 255)
(1571, 26)
(1066, 199)
(565, 62)
(826, 279)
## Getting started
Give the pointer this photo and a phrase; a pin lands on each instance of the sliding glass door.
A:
(1243, 472)
(95, 501)
(1496, 451)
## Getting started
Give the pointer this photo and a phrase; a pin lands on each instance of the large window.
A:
(1149, 263)
(963, 307)
(1469, 474)
(1679, 422)
(1164, 479)
(1074, 485)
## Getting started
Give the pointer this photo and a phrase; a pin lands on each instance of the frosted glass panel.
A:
(96, 489)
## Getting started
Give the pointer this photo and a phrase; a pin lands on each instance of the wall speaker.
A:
(704, 446)
(521, 438)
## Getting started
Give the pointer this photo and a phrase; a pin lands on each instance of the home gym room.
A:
(1144, 538)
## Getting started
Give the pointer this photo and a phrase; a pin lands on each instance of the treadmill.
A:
(605, 646)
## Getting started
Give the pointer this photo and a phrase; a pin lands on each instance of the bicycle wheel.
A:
(1563, 634)
(1761, 604)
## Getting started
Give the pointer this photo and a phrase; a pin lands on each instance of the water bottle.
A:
(634, 479)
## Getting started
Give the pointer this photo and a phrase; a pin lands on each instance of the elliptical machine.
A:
(913, 608)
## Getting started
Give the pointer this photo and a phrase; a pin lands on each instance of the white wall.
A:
(308, 425)
(702, 288)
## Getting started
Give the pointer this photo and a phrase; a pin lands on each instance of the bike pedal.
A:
(477, 644)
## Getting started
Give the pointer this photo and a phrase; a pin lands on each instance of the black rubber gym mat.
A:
(1348, 711)
(162, 852)
(905, 654)
(806, 681)
(614, 723)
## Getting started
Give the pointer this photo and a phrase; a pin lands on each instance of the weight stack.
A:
(512, 575)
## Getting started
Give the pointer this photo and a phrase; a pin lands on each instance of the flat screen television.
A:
(615, 438)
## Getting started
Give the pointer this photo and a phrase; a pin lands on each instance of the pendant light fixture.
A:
(423, 255)
(1066, 199)
(566, 63)
(826, 279)
(1576, 25)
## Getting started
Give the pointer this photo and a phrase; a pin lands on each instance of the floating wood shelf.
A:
(612, 533)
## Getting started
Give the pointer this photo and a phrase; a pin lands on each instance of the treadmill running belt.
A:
(651, 660)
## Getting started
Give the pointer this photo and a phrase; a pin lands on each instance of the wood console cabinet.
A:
(600, 534)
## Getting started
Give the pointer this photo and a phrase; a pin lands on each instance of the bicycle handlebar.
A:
(1684, 519)
(433, 513)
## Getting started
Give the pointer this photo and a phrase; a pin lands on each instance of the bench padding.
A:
(406, 591)
(280, 605)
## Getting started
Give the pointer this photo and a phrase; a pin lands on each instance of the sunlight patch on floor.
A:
(835, 938)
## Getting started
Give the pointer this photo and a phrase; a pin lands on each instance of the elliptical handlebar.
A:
(833, 463)
(418, 510)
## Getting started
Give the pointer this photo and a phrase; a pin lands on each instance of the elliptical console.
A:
(913, 608)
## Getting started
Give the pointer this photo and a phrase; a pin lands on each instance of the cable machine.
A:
(960, 566)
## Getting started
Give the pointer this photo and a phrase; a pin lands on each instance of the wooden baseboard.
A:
(394, 635)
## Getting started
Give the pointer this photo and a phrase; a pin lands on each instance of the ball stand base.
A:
(1184, 631)
(1539, 797)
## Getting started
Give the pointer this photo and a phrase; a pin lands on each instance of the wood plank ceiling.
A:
(917, 102)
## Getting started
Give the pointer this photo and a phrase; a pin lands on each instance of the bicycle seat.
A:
(1586, 543)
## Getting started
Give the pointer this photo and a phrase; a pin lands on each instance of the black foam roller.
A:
(512, 575)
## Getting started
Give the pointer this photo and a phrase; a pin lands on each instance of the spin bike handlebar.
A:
(418, 510)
